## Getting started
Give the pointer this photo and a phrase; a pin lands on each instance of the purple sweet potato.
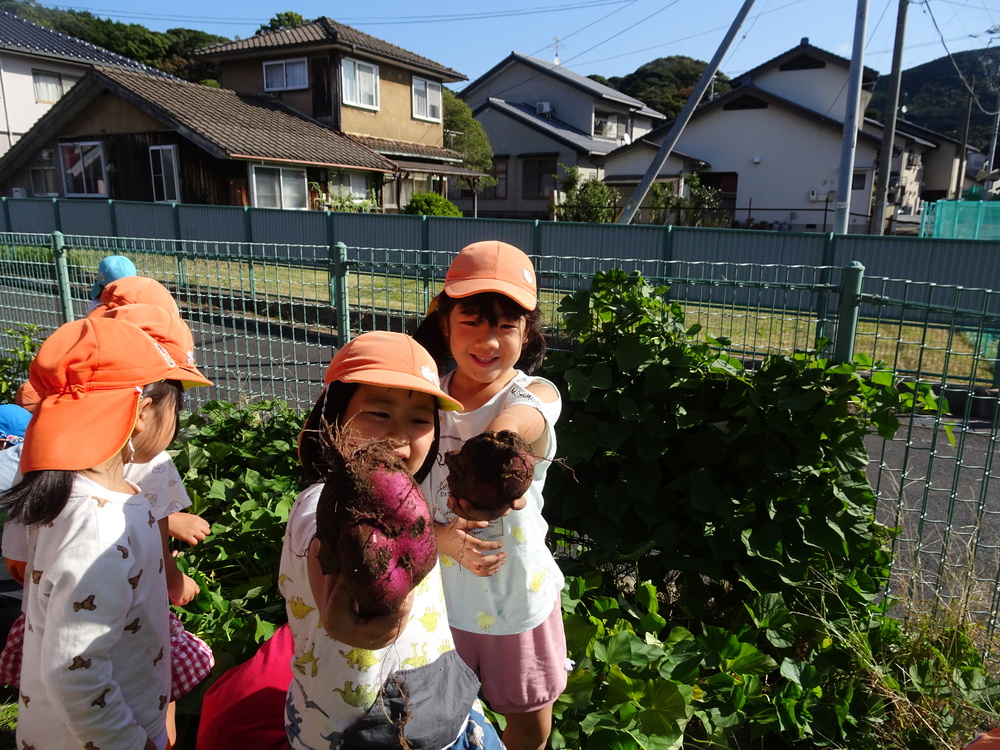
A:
(492, 470)
(375, 527)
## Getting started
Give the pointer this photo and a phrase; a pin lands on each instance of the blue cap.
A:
(112, 268)
(13, 422)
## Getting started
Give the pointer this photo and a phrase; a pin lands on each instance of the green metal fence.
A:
(266, 319)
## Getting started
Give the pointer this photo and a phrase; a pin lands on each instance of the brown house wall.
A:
(203, 178)
(111, 113)
(393, 120)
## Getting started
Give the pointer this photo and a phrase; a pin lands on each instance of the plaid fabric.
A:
(191, 658)
(10, 657)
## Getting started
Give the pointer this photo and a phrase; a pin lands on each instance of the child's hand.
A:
(464, 509)
(181, 589)
(470, 552)
(188, 527)
(338, 611)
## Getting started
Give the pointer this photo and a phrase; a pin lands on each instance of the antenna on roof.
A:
(555, 44)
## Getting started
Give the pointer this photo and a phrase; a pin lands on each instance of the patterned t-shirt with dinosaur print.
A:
(333, 684)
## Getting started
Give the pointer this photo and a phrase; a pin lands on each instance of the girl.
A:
(503, 607)
(96, 669)
(346, 669)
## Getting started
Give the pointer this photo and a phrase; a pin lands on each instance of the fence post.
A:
(6, 215)
(178, 246)
(62, 276)
(847, 316)
(338, 291)
(823, 303)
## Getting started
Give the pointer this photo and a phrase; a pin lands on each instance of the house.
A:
(130, 135)
(384, 97)
(540, 115)
(773, 145)
(38, 66)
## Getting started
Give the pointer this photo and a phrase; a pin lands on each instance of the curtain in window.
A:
(48, 86)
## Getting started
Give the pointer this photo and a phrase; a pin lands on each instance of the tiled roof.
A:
(18, 35)
(595, 89)
(231, 125)
(551, 127)
(405, 149)
(326, 31)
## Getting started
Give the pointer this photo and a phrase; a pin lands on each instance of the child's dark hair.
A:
(328, 412)
(488, 306)
(40, 496)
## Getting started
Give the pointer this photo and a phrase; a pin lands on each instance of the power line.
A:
(360, 20)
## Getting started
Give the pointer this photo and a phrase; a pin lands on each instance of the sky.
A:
(607, 37)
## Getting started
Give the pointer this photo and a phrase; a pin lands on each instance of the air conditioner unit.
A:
(47, 154)
(543, 108)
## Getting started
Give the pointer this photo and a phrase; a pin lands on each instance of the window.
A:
(426, 100)
(353, 185)
(859, 181)
(498, 191)
(608, 125)
(275, 187)
(163, 165)
(285, 74)
(83, 169)
(48, 86)
(44, 182)
(538, 177)
(360, 81)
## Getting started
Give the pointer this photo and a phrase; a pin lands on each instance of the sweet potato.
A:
(374, 527)
(492, 470)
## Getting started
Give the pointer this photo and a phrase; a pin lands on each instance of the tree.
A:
(464, 134)
(587, 200)
(699, 208)
(281, 21)
(665, 83)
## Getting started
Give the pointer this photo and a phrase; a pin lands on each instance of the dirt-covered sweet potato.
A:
(375, 527)
(492, 470)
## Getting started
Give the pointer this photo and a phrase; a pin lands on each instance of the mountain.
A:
(664, 83)
(935, 96)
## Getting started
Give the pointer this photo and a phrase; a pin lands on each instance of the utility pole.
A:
(681, 122)
(849, 144)
(991, 158)
(963, 154)
(877, 223)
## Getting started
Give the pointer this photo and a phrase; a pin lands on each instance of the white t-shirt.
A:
(333, 684)
(523, 591)
(159, 481)
(96, 644)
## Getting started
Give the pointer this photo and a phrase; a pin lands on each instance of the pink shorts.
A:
(520, 673)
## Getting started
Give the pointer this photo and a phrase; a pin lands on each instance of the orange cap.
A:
(131, 290)
(89, 375)
(492, 266)
(171, 333)
(26, 396)
(393, 360)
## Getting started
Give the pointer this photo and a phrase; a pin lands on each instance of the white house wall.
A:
(519, 84)
(822, 90)
(796, 156)
(18, 108)
(510, 138)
